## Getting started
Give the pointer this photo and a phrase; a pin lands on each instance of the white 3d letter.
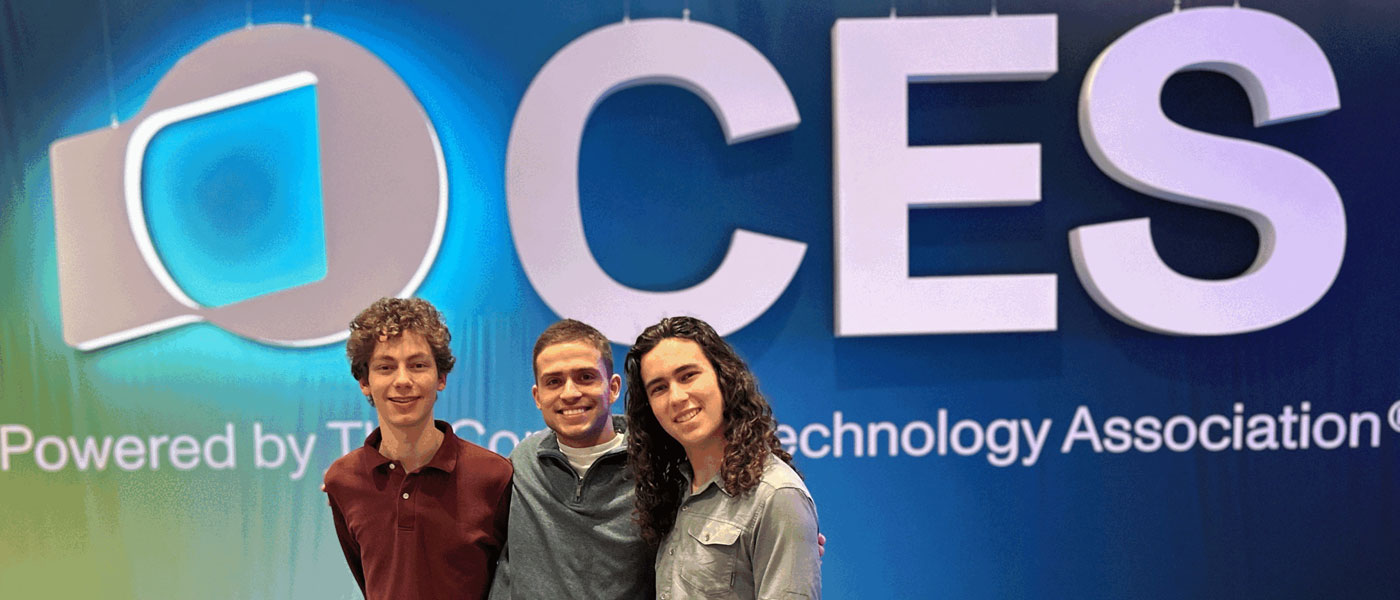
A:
(1295, 207)
(747, 95)
(878, 176)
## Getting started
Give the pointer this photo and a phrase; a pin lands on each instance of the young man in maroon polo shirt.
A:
(419, 512)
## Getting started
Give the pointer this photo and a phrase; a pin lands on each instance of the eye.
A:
(657, 390)
(588, 377)
(689, 376)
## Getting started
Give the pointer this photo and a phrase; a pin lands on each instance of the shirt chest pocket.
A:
(712, 551)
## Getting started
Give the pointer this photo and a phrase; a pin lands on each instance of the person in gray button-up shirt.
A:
(716, 493)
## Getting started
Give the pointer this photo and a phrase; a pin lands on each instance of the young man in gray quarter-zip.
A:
(571, 533)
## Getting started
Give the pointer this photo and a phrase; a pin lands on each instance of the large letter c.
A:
(745, 92)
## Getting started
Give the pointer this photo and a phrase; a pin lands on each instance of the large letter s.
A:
(1295, 207)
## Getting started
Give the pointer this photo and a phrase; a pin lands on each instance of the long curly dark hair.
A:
(750, 432)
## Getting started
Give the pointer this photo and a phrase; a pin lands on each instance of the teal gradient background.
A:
(660, 194)
(232, 199)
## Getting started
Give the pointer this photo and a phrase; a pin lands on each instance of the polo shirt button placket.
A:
(407, 514)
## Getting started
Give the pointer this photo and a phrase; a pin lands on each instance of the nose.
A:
(678, 394)
(570, 390)
(401, 377)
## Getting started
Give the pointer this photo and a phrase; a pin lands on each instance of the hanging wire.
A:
(107, 48)
(685, 11)
(626, 11)
(248, 15)
(994, 8)
(1176, 5)
(308, 16)
(893, 13)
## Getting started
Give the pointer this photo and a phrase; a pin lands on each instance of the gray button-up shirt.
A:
(761, 545)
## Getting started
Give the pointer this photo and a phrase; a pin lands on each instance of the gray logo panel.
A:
(383, 182)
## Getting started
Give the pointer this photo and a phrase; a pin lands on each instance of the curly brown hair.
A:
(750, 431)
(390, 317)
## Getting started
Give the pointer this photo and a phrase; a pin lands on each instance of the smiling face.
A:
(574, 392)
(403, 381)
(685, 395)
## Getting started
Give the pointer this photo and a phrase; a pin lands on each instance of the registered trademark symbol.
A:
(1394, 416)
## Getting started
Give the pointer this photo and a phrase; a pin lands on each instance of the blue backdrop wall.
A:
(907, 515)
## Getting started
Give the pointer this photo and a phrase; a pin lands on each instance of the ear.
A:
(614, 388)
(364, 387)
(535, 393)
(442, 382)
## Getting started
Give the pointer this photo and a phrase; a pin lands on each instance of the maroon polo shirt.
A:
(435, 533)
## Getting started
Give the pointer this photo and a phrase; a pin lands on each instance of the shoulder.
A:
(481, 460)
(345, 471)
(778, 475)
(528, 447)
(783, 497)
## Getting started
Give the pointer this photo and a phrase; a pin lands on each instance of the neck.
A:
(413, 446)
(705, 461)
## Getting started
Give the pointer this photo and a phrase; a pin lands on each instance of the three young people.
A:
(690, 495)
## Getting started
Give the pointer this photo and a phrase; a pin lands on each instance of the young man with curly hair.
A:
(419, 512)
(716, 493)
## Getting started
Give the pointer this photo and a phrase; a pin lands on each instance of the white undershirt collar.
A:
(583, 458)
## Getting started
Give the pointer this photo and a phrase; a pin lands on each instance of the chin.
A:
(407, 420)
(698, 438)
(581, 433)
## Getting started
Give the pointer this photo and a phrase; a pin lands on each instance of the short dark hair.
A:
(569, 330)
(390, 317)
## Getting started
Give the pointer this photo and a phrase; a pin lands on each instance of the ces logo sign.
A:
(384, 188)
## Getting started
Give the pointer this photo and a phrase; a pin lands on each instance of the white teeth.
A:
(569, 412)
(687, 415)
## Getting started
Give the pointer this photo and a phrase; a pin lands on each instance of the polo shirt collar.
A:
(445, 459)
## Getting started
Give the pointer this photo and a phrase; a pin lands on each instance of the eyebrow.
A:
(385, 357)
(683, 367)
(558, 372)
